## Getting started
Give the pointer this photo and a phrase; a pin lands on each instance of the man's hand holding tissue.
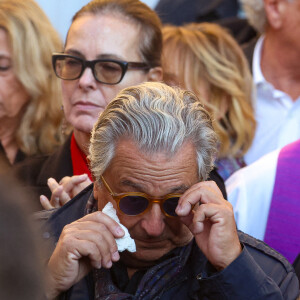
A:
(86, 243)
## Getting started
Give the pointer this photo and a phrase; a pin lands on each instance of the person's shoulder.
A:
(259, 170)
(28, 171)
(35, 171)
(274, 269)
(268, 258)
(253, 183)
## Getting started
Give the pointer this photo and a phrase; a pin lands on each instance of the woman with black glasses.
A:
(111, 44)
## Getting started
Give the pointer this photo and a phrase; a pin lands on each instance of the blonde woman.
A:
(207, 60)
(30, 94)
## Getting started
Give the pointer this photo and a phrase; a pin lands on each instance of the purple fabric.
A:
(283, 226)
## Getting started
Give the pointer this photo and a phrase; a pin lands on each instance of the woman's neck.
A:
(82, 140)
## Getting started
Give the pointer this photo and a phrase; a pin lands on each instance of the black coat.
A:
(258, 273)
(34, 172)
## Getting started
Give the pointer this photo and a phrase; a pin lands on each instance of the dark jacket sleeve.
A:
(52, 223)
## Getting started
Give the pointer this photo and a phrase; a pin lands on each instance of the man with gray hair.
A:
(275, 63)
(150, 154)
(265, 194)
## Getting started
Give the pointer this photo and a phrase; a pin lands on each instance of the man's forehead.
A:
(131, 162)
(129, 148)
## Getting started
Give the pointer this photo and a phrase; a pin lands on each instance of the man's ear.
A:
(275, 12)
(155, 74)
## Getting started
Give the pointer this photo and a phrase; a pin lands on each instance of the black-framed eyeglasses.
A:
(107, 71)
(133, 204)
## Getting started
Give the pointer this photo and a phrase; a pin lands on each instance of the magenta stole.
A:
(283, 226)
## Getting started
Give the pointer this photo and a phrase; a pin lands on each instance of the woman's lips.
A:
(86, 105)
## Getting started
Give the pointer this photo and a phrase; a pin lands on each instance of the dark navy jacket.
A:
(258, 273)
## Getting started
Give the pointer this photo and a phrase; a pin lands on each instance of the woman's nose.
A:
(87, 79)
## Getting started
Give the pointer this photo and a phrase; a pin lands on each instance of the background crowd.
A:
(240, 60)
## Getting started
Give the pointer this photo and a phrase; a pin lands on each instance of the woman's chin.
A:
(83, 125)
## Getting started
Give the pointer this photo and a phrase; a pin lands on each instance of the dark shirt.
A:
(121, 279)
(20, 156)
(129, 285)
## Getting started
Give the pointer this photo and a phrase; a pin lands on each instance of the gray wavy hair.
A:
(159, 118)
(255, 13)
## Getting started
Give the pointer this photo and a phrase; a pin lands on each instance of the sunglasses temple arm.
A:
(107, 186)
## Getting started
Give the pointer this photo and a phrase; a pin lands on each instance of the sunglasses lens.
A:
(133, 205)
(170, 205)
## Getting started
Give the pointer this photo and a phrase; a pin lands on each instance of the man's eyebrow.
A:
(136, 186)
(179, 189)
(176, 190)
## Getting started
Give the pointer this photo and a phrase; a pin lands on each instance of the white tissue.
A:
(125, 242)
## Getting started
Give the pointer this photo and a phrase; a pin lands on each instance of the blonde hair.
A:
(33, 39)
(207, 56)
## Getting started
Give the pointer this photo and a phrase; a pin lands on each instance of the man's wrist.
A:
(229, 259)
(51, 292)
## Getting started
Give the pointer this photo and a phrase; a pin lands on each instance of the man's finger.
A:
(203, 192)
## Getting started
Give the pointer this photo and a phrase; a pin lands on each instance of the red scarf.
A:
(79, 161)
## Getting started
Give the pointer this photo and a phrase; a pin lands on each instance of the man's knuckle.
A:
(102, 227)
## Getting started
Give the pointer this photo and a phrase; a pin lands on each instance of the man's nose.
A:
(153, 221)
